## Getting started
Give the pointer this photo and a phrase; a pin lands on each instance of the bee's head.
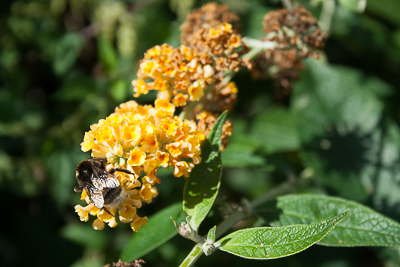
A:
(83, 170)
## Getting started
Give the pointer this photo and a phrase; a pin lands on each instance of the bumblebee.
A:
(100, 184)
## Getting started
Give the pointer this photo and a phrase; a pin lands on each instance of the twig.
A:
(325, 19)
(287, 4)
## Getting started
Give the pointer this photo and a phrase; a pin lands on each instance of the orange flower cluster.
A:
(182, 74)
(140, 139)
(298, 35)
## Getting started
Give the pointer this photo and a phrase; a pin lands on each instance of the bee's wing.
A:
(95, 196)
(102, 179)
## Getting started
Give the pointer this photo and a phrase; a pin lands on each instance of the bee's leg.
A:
(78, 188)
(120, 170)
(108, 211)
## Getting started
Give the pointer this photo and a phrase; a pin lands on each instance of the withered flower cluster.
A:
(298, 36)
(209, 15)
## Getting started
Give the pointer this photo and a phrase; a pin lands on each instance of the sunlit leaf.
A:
(264, 243)
(201, 187)
(363, 227)
(354, 5)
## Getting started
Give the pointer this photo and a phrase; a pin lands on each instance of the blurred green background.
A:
(65, 64)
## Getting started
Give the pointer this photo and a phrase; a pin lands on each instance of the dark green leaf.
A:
(67, 51)
(264, 243)
(336, 120)
(239, 155)
(158, 230)
(242, 149)
(107, 54)
(84, 235)
(363, 227)
(275, 130)
(201, 187)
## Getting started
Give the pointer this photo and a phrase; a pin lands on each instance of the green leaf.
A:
(385, 9)
(354, 5)
(84, 235)
(107, 54)
(211, 234)
(201, 187)
(363, 227)
(241, 151)
(158, 230)
(119, 90)
(276, 130)
(264, 243)
(76, 87)
(67, 51)
(239, 155)
(339, 122)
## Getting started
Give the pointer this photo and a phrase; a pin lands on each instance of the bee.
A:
(100, 184)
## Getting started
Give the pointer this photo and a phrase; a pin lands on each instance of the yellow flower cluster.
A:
(182, 74)
(140, 139)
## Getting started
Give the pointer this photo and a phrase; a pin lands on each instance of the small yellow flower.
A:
(149, 143)
(98, 225)
(138, 222)
(164, 108)
(137, 157)
(140, 87)
(162, 159)
(148, 193)
(150, 165)
(131, 135)
(82, 213)
(196, 90)
(175, 149)
(180, 100)
(181, 168)
(151, 179)
(128, 214)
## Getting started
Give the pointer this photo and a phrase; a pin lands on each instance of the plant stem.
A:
(193, 256)
(287, 4)
(284, 188)
(325, 19)
(231, 220)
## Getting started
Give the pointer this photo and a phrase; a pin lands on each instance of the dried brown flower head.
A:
(209, 15)
(298, 36)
